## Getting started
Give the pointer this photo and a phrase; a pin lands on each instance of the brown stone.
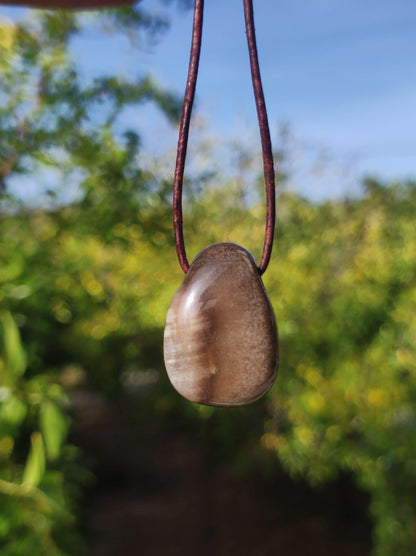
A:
(220, 341)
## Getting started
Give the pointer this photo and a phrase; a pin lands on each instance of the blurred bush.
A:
(342, 282)
(39, 477)
(344, 290)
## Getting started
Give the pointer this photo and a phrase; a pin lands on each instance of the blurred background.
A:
(98, 454)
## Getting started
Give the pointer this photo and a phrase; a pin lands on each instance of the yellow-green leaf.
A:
(13, 352)
(35, 463)
(54, 426)
(7, 33)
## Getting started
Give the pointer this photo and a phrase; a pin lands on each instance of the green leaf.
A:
(14, 355)
(54, 425)
(35, 463)
(12, 411)
(7, 34)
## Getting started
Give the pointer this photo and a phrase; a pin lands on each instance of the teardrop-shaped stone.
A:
(220, 342)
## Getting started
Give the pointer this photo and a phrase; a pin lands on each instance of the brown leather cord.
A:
(268, 165)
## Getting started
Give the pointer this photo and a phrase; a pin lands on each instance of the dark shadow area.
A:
(159, 490)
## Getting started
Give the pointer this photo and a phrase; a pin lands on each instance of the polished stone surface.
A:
(220, 342)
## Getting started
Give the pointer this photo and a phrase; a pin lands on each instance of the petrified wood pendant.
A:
(220, 341)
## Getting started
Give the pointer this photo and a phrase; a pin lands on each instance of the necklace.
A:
(220, 341)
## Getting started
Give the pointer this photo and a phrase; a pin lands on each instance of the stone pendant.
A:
(220, 343)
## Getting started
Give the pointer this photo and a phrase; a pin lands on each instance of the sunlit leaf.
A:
(7, 33)
(54, 427)
(12, 411)
(35, 463)
(14, 355)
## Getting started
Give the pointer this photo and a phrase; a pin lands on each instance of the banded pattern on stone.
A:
(220, 343)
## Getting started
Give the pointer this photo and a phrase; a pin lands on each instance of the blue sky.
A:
(340, 74)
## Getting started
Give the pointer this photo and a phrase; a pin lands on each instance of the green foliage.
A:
(52, 115)
(341, 282)
(34, 470)
(55, 118)
(344, 294)
(59, 123)
(34, 503)
(54, 426)
(14, 356)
